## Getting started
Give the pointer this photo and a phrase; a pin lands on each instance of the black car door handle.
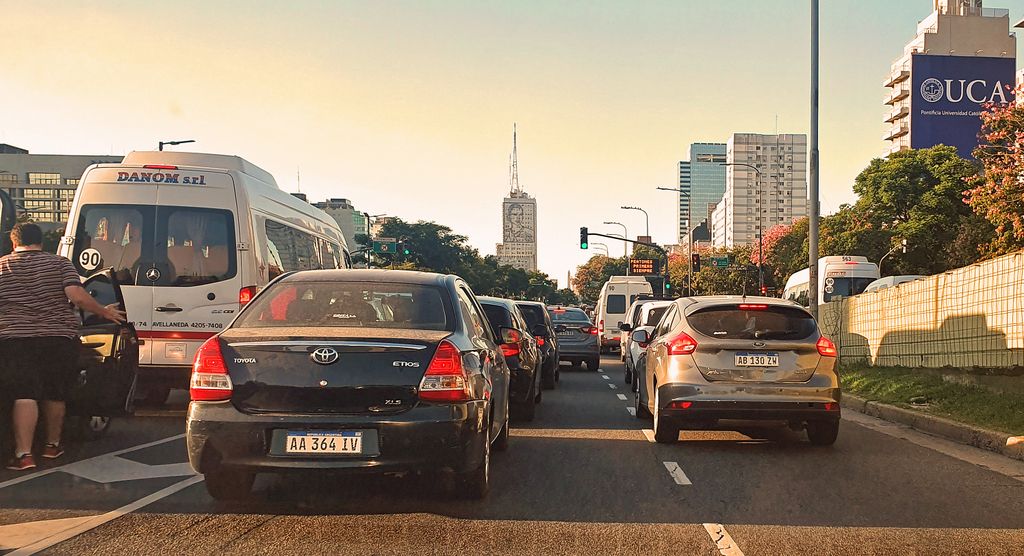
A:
(169, 309)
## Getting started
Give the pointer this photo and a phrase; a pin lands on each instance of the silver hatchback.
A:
(732, 357)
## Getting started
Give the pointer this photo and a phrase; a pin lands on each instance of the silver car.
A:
(733, 357)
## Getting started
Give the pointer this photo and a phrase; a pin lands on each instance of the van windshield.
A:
(156, 246)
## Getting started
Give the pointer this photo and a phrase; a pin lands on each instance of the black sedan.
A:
(539, 321)
(521, 353)
(351, 370)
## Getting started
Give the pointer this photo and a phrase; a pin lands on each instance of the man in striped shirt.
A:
(39, 342)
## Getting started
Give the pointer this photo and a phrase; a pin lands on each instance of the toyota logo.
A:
(324, 355)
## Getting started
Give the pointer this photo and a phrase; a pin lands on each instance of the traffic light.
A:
(764, 290)
(668, 286)
(403, 248)
(695, 261)
(584, 238)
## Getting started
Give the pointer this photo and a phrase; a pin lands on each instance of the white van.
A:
(617, 294)
(838, 276)
(191, 237)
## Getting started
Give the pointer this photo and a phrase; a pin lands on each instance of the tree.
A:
(738, 278)
(787, 253)
(998, 194)
(591, 275)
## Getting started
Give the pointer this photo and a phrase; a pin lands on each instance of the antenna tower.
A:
(514, 178)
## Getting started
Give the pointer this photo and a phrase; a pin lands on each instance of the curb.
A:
(1000, 443)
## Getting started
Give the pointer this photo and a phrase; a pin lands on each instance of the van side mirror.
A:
(640, 337)
(625, 326)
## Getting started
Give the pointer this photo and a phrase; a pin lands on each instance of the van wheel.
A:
(228, 484)
(822, 433)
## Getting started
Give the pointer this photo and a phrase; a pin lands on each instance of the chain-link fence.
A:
(968, 317)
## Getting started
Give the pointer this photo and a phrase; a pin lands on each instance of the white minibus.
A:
(838, 276)
(191, 238)
(617, 294)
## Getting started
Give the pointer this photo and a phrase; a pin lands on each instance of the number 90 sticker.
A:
(90, 259)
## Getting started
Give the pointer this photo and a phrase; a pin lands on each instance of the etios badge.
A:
(324, 355)
(932, 90)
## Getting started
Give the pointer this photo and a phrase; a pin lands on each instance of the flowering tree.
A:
(998, 195)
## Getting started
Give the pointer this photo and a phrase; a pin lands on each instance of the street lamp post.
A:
(760, 222)
(601, 245)
(647, 219)
(689, 243)
(625, 235)
(160, 145)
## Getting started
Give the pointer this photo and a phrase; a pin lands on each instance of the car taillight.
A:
(540, 340)
(445, 379)
(826, 348)
(592, 330)
(245, 295)
(752, 307)
(160, 167)
(682, 344)
(210, 380)
(600, 327)
(680, 405)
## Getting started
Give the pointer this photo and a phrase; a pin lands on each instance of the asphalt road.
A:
(582, 478)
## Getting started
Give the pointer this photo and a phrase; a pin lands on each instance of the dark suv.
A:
(539, 321)
(521, 355)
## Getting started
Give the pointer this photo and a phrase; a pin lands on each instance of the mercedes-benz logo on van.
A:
(324, 355)
(153, 274)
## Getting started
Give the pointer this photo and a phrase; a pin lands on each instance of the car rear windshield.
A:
(568, 315)
(758, 322)
(654, 315)
(294, 303)
(616, 304)
(533, 314)
(148, 245)
(498, 316)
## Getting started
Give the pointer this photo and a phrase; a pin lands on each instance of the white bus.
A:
(191, 237)
(838, 276)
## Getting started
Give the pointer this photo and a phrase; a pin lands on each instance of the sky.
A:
(407, 108)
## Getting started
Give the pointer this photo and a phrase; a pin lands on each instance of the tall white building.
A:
(519, 222)
(683, 202)
(962, 57)
(755, 200)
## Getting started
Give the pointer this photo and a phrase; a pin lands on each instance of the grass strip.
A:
(972, 405)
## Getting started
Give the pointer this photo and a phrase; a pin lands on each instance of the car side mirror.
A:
(641, 337)
(541, 331)
(510, 336)
(625, 326)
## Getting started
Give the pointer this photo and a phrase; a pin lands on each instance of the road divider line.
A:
(605, 377)
(631, 410)
(104, 518)
(621, 396)
(677, 473)
(612, 386)
(722, 539)
(45, 472)
(649, 435)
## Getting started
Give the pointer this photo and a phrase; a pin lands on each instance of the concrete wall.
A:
(968, 317)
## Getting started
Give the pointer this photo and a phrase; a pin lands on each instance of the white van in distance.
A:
(617, 294)
(191, 237)
(838, 277)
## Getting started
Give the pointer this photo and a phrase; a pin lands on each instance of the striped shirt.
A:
(32, 299)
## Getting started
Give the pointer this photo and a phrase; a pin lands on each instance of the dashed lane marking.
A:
(86, 462)
(98, 520)
(605, 377)
(677, 473)
(612, 386)
(722, 539)
(631, 410)
(621, 396)
(649, 434)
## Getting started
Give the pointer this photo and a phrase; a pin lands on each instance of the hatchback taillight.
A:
(826, 348)
(210, 380)
(445, 379)
(683, 344)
